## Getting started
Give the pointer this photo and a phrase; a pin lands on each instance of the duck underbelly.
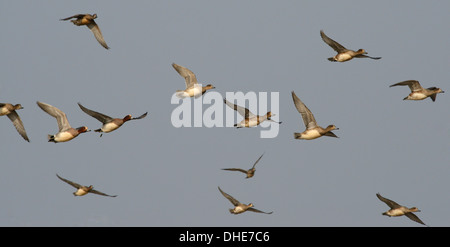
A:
(249, 123)
(343, 57)
(109, 127)
(194, 92)
(310, 134)
(395, 212)
(417, 96)
(80, 192)
(4, 112)
(238, 210)
(63, 137)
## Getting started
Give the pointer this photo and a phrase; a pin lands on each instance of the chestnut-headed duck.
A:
(250, 172)
(240, 207)
(250, 119)
(417, 91)
(109, 123)
(313, 130)
(88, 20)
(10, 111)
(83, 190)
(399, 210)
(193, 89)
(66, 132)
(343, 54)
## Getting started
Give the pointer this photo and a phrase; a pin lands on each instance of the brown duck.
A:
(10, 111)
(343, 54)
(88, 20)
(250, 172)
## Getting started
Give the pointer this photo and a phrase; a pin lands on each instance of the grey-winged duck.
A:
(10, 111)
(88, 20)
(399, 210)
(109, 123)
(240, 207)
(313, 130)
(250, 119)
(343, 54)
(66, 132)
(417, 91)
(193, 89)
(250, 172)
(83, 190)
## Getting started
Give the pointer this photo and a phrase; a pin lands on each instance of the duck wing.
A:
(78, 16)
(257, 161)
(17, 122)
(100, 193)
(414, 217)
(308, 117)
(333, 44)
(75, 185)
(235, 169)
(257, 211)
(412, 84)
(97, 115)
(140, 117)
(365, 56)
(189, 76)
(388, 202)
(241, 110)
(97, 33)
(61, 118)
(230, 198)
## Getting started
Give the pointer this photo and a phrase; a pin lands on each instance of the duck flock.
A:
(194, 89)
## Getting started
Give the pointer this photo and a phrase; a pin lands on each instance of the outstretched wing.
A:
(69, 182)
(388, 202)
(235, 169)
(17, 122)
(140, 117)
(100, 193)
(362, 56)
(257, 211)
(333, 44)
(307, 116)
(257, 161)
(414, 217)
(189, 76)
(60, 116)
(230, 198)
(97, 115)
(412, 84)
(97, 33)
(74, 16)
(241, 110)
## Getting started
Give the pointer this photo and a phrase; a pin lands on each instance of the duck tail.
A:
(332, 59)
(297, 135)
(98, 130)
(180, 94)
(51, 138)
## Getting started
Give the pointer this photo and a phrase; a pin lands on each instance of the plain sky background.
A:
(167, 176)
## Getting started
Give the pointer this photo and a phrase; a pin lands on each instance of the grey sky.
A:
(167, 176)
